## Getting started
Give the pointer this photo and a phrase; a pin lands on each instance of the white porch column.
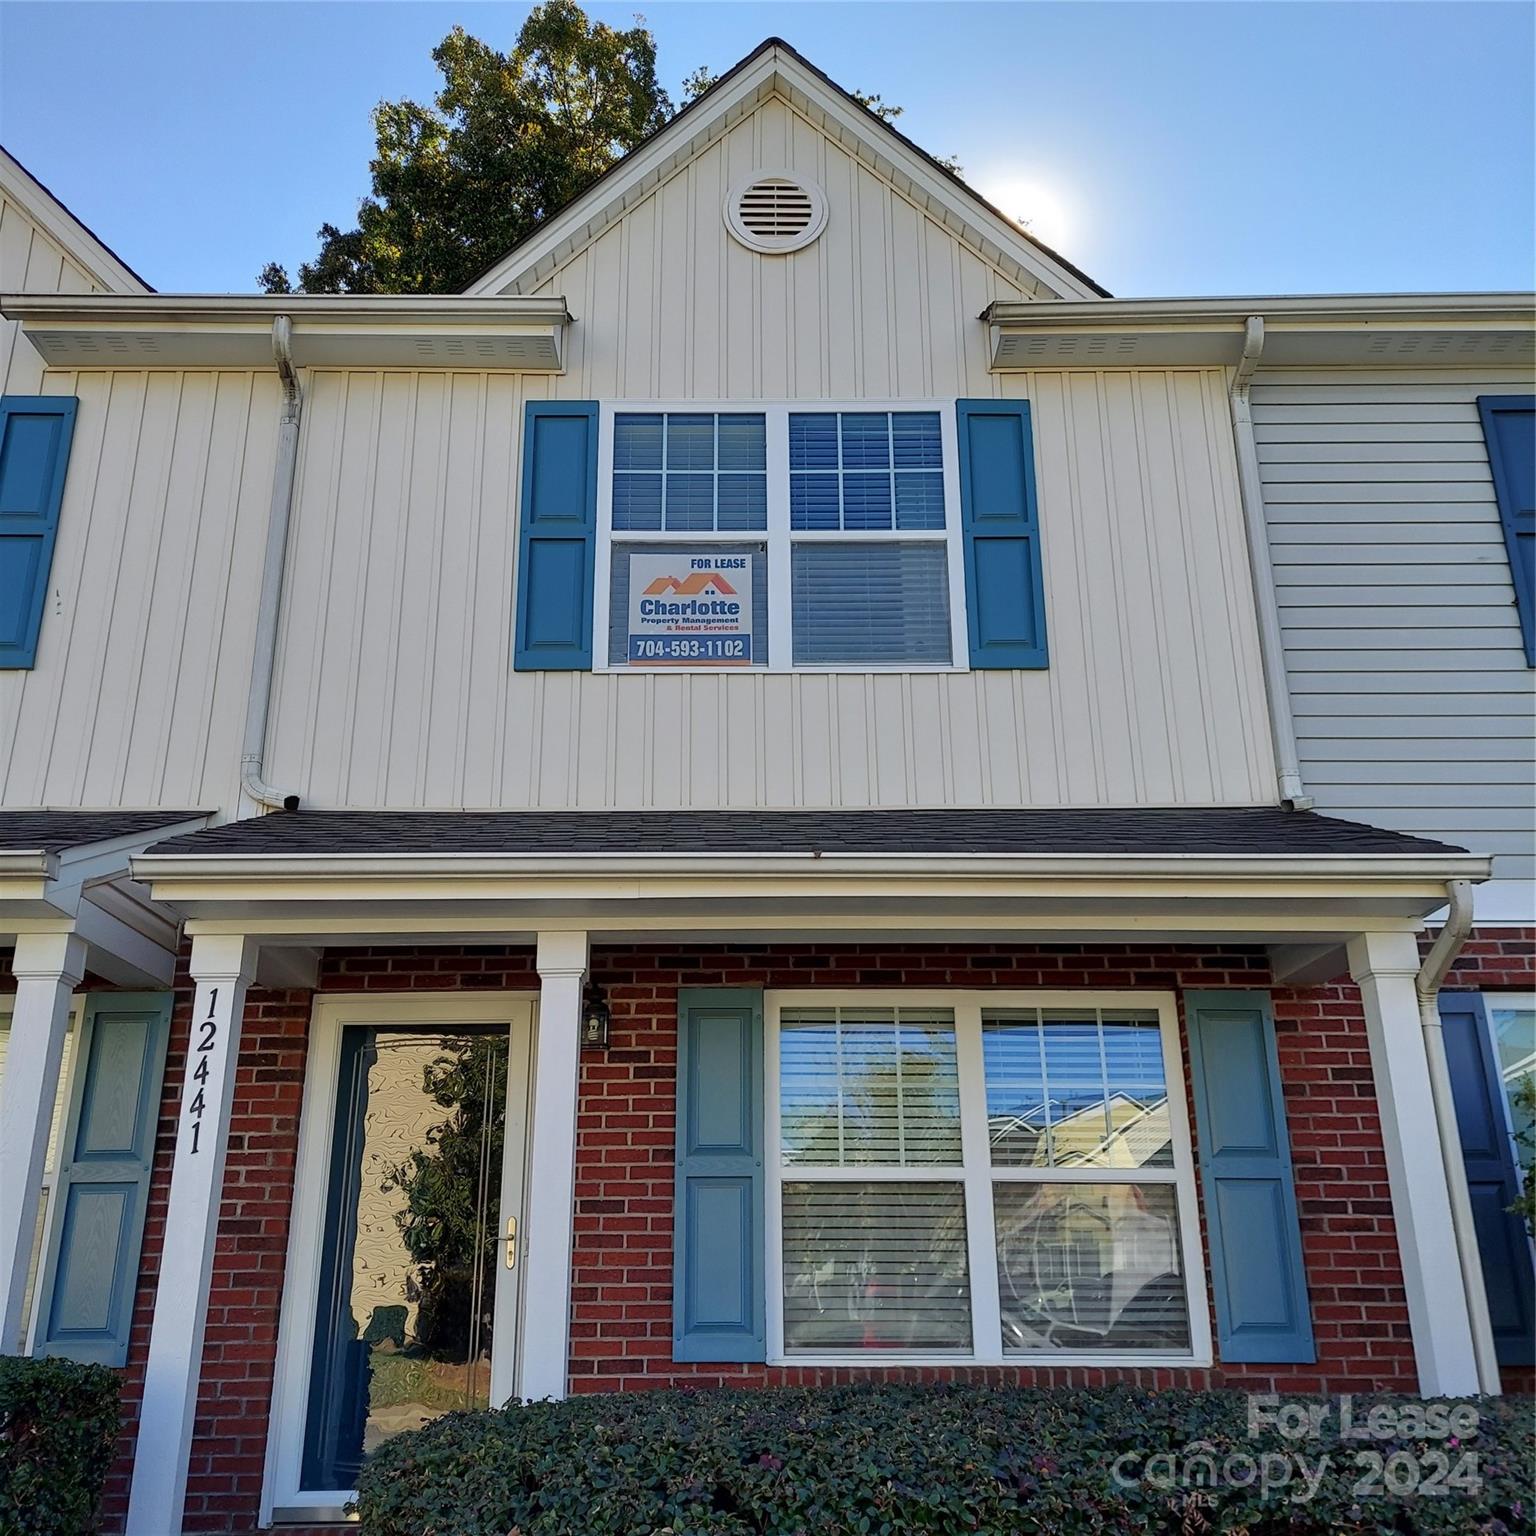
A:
(1385, 966)
(48, 968)
(562, 964)
(222, 968)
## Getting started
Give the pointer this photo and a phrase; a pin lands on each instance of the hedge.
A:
(58, 1435)
(894, 1460)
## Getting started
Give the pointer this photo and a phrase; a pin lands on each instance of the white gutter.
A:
(407, 312)
(264, 658)
(1300, 309)
(1431, 870)
(1443, 952)
(1250, 486)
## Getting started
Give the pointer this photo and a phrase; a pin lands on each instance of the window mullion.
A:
(980, 1224)
(780, 601)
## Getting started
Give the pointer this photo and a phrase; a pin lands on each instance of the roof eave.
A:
(1343, 330)
(234, 330)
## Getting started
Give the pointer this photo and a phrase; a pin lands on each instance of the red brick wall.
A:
(623, 1264)
(622, 1280)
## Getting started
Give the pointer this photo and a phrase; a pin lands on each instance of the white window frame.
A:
(283, 1501)
(978, 1175)
(778, 535)
(1514, 1002)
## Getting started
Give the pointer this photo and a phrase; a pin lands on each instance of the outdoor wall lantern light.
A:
(596, 1019)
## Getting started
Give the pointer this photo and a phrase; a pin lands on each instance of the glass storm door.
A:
(417, 1277)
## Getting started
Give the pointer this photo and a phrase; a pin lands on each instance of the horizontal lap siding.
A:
(1414, 704)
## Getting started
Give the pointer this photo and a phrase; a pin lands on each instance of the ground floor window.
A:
(981, 1177)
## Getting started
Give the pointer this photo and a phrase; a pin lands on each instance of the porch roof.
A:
(1220, 830)
(66, 872)
(1238, 873)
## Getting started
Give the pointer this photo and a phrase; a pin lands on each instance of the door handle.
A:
(511, 1242)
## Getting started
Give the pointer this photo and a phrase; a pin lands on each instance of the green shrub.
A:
(58, 1435)
(894, 1460)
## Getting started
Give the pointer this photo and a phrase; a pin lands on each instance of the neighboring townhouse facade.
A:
(723, 807)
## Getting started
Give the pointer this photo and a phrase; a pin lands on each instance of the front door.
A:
(411, 1274)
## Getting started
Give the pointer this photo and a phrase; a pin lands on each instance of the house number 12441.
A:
(207, 1035)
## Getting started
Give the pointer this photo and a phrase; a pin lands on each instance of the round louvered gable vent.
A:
(775, 211)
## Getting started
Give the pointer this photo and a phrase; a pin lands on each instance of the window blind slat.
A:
(876, 604)
(1090, 1267)
(875, 1266)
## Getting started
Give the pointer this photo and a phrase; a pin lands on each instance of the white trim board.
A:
(977, 1174)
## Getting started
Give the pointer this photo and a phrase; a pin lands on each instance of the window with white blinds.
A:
(860, 563)
(991, 1178)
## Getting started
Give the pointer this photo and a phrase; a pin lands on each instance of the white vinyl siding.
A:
(1413, 701)
(31, 261)
(394, 686)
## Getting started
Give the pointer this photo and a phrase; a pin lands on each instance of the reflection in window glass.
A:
(868, 1086)
(875, 1266)
(1514, 1041)
(410, 1242)
(1090, 1267)
(1076, 1088)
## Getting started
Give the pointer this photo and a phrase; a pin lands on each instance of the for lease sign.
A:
(690, 610)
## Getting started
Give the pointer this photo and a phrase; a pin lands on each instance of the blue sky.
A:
(1166, 148)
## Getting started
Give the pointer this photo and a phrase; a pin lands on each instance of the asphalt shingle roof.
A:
(54, 831)
(1254, 830)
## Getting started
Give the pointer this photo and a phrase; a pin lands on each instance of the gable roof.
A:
(775, 68)
(66, 230)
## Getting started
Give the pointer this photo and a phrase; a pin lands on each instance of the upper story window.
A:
(781, 538)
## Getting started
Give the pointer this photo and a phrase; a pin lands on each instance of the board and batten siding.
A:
(31, 261)
(883, 304)
(395, 685)
(143, 664)
(1414, 704)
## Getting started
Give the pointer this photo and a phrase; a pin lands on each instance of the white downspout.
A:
(1250, 489)
(1442, 953)
(264, 796)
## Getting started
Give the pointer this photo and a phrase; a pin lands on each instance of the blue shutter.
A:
(1262, 1313)
(1004, 588)
(1509, 425)
(101, 1187)
(557, 537)
(717, 1261)
(1492, 1182)
(34, 453)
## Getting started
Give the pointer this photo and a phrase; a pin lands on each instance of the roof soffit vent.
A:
(775, 212)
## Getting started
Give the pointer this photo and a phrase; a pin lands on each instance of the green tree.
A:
(1523, 1101)
(450, 1225)
(509, 138)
